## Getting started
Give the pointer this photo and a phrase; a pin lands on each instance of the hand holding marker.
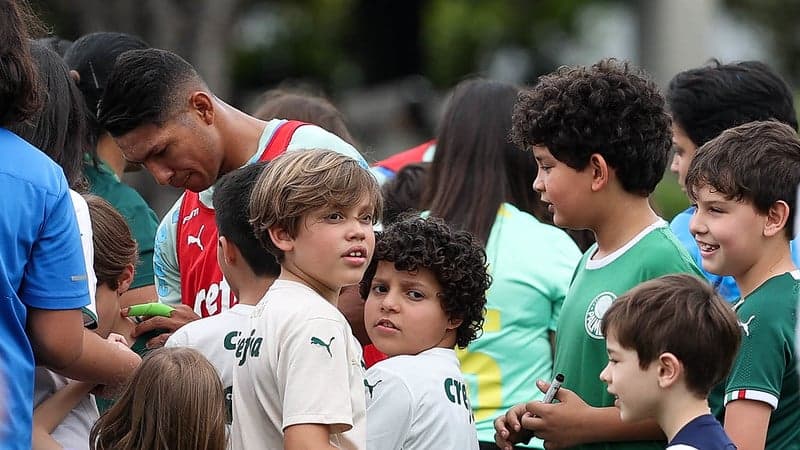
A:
(550, 395)
(150, 309)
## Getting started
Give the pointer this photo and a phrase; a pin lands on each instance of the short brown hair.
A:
(299, 182)
(682, 315)
(758, 162)
(114, 246)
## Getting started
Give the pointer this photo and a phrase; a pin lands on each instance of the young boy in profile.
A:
(299, 380)
(669, 341)
(419, 306)
(248, 269)
(744, 184)
(601, 137)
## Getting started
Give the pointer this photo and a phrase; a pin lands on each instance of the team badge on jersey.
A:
(595, 312)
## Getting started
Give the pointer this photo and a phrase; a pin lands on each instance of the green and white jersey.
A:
(765, 369)
(217, 338)
(580, 347)
(531, 264)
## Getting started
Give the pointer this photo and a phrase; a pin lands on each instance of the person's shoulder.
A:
(24, 162)
(296, 301)
(661, 248)
(780, 290)
(313, 136)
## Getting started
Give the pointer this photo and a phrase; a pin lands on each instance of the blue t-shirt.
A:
(41, 266)
(726, 286)
(702, 433)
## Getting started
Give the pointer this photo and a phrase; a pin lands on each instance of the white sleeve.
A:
(85, 227)
(390, 409)
(179, 338)
(165, 258)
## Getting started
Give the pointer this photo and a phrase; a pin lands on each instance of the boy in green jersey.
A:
(744, 183)
(602, 138)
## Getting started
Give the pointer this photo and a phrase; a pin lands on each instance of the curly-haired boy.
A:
(601, 137)
(425, 291)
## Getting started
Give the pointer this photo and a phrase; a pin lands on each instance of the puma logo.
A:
(746, 325)
(321, 343)
(370, 387)
(196, 239)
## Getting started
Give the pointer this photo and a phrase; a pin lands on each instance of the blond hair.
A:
(299, 182)
(173, 401)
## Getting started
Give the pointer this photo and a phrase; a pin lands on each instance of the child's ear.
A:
(281, 238)
(452, 324)
(777, 216)
(228, 250)
(600, 171)
(125, 279)
(670, 370)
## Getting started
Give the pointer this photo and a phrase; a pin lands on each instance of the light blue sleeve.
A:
(165, 258)
(312, 136)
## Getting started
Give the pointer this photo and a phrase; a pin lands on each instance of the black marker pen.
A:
(550, 395)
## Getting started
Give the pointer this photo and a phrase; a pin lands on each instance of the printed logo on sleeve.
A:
(595, 312)
(370, 387)
(321, 343)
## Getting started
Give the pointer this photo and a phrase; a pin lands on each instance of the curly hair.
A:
(611, 109)
(455, 258)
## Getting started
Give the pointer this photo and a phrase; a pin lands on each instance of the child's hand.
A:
(118, 339)
(508, 428)
(560, 425)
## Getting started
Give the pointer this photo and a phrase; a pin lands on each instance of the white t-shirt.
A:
(216, 337)
(298, 364)
(419, 402)
(73, 432)
(85, 227)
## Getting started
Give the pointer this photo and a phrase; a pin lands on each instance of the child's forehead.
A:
(388, 270)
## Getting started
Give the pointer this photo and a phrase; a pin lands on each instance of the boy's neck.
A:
(679, 409)
(776, 259)
(239, 133)
(625, 217)
(331, 295)
(251, 290)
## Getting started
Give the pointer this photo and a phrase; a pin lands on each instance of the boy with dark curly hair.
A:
(426, 291)
(601, 137)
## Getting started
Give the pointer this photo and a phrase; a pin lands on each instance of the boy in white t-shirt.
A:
(426, 292)
(248, 269)
(299, 379)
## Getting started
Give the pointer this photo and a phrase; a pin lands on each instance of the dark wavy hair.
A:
(59, 127)
(455, 258)
(20, 97)
(611, 109)
(476, 166)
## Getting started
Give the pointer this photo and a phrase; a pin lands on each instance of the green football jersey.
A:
(580, 346)
(765, 369)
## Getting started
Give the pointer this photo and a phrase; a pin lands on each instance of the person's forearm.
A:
(101, 362)
(52, 411)
(605, 425)
(136, 296)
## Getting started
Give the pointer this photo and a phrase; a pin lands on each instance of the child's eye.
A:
(366, 218)
(334, 216)
(612, 361)
(379, 289)
(415, 295)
